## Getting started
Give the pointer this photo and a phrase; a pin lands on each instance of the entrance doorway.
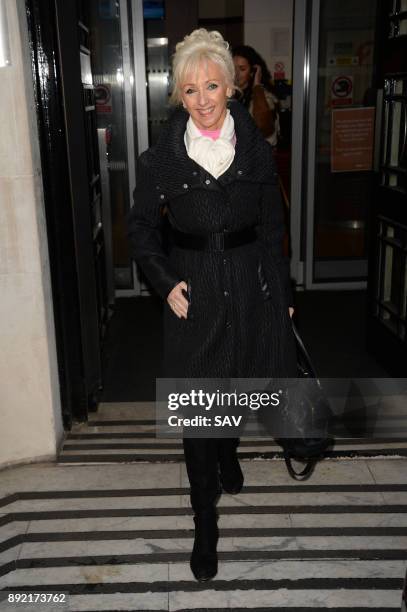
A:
(335, 99)
(113, 97)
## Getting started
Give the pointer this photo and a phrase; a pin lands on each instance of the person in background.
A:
(253, 78)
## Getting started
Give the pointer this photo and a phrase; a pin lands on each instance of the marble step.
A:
(230, 570)
(125, 433)
(142, 572)
(215, 600)
(124, 441)
(143, 414)
(119, 537)
(84, 458)
(307, 501)
(391, 405)
(98, 420)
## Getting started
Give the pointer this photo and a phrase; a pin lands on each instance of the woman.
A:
(254, 81)
(225, 282)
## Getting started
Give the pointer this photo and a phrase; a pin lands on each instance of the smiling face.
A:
(243, 71)
(204, 94)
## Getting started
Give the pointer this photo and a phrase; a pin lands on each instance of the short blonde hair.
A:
(197, 46)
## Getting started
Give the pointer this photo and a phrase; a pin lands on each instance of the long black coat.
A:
(238, 322)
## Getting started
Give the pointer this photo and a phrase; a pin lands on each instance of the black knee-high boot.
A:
(231, 475)
(202, 467)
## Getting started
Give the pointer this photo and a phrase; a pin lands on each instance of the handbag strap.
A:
(303, 349)
(305, 473)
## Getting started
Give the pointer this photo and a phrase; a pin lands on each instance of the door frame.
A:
(135, 102)
(304, 129)
(75, 385)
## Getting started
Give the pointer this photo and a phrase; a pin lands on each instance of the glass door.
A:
(117, 36)
(341, 142)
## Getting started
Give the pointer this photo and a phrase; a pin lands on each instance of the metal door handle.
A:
(378, 130)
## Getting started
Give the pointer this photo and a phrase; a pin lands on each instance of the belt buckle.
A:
(219, 241)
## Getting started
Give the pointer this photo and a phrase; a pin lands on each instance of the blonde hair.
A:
(197, 46)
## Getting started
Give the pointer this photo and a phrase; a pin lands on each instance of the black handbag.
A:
(306, 416)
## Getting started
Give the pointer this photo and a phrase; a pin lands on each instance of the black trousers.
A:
(202, 457)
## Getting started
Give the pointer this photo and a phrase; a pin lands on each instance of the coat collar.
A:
(253, 159)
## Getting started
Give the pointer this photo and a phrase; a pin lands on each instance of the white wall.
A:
(268, 28)
(30, 411)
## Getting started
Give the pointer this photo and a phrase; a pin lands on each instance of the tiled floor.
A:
(117, 536)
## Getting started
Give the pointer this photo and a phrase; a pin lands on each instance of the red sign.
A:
(342, 90)
(352, 137)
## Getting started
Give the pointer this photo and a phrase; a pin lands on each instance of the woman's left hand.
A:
(291, 311)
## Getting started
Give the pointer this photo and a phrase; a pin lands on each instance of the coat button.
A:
(226, 293)
(162, 196)
(225, 261)
(207, 182)
(240, 171)
(185, 185)
(157, 187)
(228, 324)
(195, 173)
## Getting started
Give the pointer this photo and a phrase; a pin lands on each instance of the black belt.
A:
(218, 241)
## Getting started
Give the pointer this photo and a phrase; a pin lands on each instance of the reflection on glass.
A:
(392, 285)
(388, 268)
(345, 82)
(403, 27)
(393, 179)
(398, 23)
(158, 71)
(394, 151)
(153, 9)
(107, 59)
(395, 133)
(398, 86)
(385, 129)
(389, 320)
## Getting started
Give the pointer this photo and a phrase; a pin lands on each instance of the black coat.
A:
(238, 322)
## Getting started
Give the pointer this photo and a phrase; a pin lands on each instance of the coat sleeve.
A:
(144, 223)
(272, 230)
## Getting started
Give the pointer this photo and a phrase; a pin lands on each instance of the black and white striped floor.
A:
(125, 432)
(117, 536)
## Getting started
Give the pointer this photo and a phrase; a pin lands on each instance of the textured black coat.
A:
(238, 322)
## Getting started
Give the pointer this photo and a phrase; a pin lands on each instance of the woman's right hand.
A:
(257, 75)
(177, 301)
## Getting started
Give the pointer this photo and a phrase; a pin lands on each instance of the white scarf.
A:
(214, 155)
